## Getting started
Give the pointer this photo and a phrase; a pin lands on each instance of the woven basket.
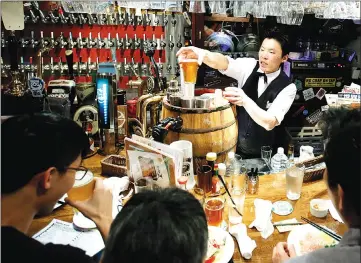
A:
(313, 174)
(114, 165)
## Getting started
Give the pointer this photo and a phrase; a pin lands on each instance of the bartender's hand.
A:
(191, 53)
(235, 95)
(98, 208)
(283, 252)
(212, 59)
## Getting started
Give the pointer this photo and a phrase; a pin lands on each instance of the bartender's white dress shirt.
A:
(241, 68)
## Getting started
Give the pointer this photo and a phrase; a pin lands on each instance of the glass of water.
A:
(238, 197)
(294, 180)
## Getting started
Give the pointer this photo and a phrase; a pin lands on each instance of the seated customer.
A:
(167, 225)
(341, 127)
(40, 155)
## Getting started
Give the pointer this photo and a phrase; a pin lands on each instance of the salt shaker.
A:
(253, 181)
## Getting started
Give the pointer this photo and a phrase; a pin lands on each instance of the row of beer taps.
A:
(99, 43)
(117, 16)
(126, 68)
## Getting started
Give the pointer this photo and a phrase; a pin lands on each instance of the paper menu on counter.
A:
(63, 233)
(149, 162)
(178, 155)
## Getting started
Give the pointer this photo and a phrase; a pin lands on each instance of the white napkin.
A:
(246, 244)
(117, 185)
(306, 152)
(334, 212)
(262, 222)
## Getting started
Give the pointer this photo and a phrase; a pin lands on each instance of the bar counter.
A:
(271, 187)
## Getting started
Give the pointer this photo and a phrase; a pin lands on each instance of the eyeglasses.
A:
(79, 169)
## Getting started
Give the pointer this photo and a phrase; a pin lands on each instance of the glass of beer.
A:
(189, 69)
(213, 208)
(83, 185)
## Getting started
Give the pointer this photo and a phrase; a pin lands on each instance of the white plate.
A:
(226, 253)
(82, 222)
(300, 233)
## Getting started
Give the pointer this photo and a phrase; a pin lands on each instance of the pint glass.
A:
(83, 186)
(190, 70)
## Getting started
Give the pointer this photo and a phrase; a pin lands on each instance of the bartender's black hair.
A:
(280, 38)
(164, 226)
(30, 144)
(341, 129)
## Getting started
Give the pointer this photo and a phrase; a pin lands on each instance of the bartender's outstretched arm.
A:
(263, 118)
(212, 59)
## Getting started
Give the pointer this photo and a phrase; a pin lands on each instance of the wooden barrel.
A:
(209, 130)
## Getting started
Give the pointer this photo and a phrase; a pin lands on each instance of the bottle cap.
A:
(221, 169)
(182, 179)
(211, 156)
(280, 150)
(231, 155)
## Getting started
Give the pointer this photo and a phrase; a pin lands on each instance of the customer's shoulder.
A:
(337, 254)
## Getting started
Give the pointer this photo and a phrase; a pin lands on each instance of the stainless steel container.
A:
(202, 103)
(175, 100)
(187, 103)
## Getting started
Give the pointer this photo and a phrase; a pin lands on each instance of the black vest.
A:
(251, 136)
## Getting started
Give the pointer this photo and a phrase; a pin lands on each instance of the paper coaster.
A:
(282, 208)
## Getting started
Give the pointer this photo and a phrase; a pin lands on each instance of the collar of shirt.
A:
(271, 76)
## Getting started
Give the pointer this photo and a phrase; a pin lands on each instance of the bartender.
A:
(263, 96)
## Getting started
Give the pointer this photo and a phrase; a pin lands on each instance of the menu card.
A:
(63, 233)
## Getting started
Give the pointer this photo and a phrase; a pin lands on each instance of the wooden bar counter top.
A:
(271, 187)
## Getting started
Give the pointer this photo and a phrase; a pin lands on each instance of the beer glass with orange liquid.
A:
(214, 207)
(189, 68)
(83, 185)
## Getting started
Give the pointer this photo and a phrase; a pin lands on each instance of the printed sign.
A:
(321, 93)
(320, 82)
(314, 117)
(308, 94)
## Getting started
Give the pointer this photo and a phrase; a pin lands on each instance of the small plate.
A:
(309, 238)
(226, 252)
(282, 208)
(82, 222)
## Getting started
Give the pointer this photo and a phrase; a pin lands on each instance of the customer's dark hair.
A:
(341, 129)
(281, 38)
(31, 144)
(167, 225)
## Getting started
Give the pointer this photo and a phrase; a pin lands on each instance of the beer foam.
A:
(87, 178)
(187, 60)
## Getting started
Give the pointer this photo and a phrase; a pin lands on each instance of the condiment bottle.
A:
(253, 181)
(222, 172)
(211, 157)
(182, 181)
(215, 180)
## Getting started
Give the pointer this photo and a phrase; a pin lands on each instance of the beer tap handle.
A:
(63, 19)
(51, 65)
(13, 51)
(69, 60)
(53, 18)
(179, 43)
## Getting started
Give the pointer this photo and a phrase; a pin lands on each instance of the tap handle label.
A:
(36, 86)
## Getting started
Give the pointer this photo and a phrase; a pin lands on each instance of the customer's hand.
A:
(191, 53)
(283, 252)
(235, 95)
(98, 207)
